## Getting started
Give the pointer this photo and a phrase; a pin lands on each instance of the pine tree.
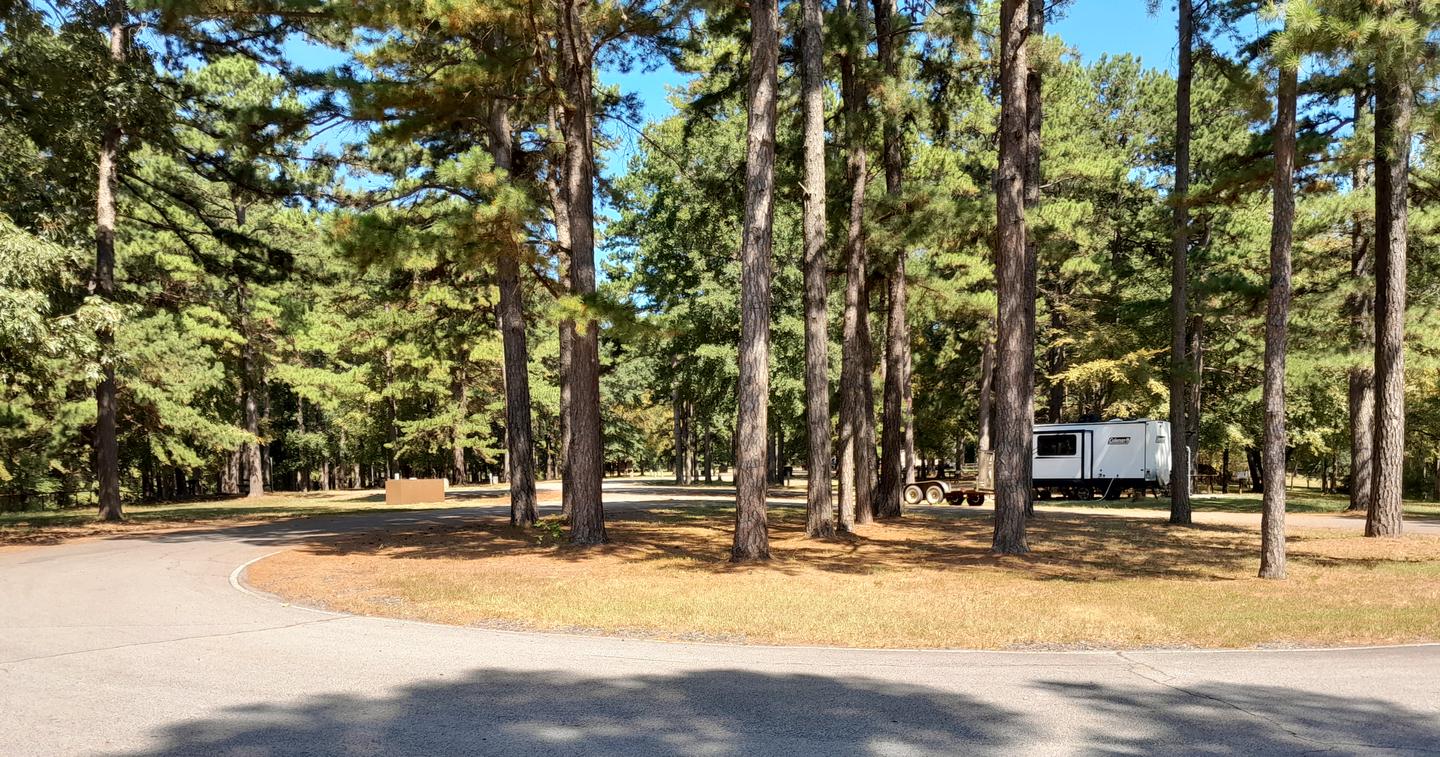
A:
(751, 538)
(820, 512)
(1277, 315)
(895, 416)
(1016, 290)
(1180, 460)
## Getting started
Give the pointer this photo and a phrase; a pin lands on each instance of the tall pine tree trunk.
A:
(230, 473)
(752, 540)
(560, 211)
(1361, 305)
(459, 396)
(1277, 315)
(909, 398)
(1179, 306)
(1195, 346)
(854, 368)
(1054, 365)
(819, 512)
(586, 451)
(1015, 369)
(1394, 102)
(985, 423)
(897, 329)
(692, 444)
(677, 413)
(302, 471)
(392, 419)
(251, 458)
(519, 438)
(107, 446)
(709, 468)
(866, 460)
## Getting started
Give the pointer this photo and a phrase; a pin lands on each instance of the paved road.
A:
(142, 644)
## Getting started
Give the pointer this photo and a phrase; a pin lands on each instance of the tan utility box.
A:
(409, 491)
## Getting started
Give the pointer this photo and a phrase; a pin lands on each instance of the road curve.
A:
(142, 644)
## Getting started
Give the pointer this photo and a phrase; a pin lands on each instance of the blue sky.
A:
(1092, 27)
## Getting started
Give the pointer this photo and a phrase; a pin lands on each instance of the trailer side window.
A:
(1055, 445)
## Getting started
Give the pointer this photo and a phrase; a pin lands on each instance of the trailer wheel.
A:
(913, 494)
(975, 499)
(1084, 493)
(934, 494)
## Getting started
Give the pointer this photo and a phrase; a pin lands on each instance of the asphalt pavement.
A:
(145, 644)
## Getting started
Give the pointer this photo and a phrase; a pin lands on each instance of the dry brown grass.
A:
(928, 580)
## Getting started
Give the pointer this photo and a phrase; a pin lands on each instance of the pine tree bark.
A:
(459, 396)
(1179, 306)
(519, 438)
(560, 211)
(1394, 103)
(985, 423)
(586, 450)
(1277, 315)
(1195, 341)
(302, 471)
(1361, 305)
(691, 467)
(252, 460)
(709, 469)
(230, 473)
(854, 368)
(819, 512)
(107, 446)
(892, 426)
(866, 458)
(1054, 365)
(1015, 368)
(751, 537)
(677, 411)
(392, 419)
(908, 397)
(897, 330)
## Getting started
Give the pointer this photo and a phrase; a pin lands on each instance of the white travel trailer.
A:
(1082, 459)
(1073, 460)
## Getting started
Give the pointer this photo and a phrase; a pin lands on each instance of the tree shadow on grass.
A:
(694, 535)
(721, 713)
(1080, 547)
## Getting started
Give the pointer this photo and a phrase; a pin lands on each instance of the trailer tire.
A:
(975, 499)
(1084, 493)
(934, 494)
(913, 494)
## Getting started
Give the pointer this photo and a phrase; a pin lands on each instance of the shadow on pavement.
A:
(733, 712)
(1223, 718)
